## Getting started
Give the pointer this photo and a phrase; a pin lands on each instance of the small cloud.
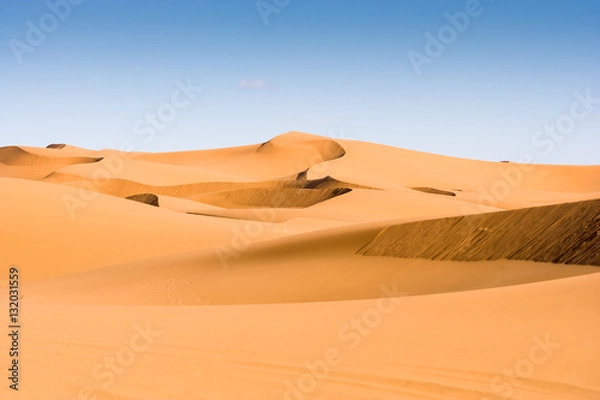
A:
(256, 84)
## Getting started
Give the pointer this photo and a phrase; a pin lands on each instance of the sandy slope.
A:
(39, 234)
(234, 273)
(282, 156)
(298, 268)
(33, 163)
(453, 346)
(566, 233)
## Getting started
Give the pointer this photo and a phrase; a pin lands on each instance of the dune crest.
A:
(251, 268)
(327, 149)
(564, 233)
(19, 156)
(56, 146)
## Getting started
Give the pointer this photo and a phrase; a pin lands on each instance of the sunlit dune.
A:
(300, 268)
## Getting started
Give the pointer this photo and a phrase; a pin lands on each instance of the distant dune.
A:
(56, 146)
(274, 197)
(21, 156)
(34, 163)
(300, 268)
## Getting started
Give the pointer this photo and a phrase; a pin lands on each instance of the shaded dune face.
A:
(268, 198)
(146, 198)
(327, 149)
(565, 233)
(298, 152)
(326, 188)
(293, 191)
(434, 191)
(56, 146)
(301, 181)
(126, 188)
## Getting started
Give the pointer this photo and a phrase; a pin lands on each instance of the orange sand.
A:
(300, 268)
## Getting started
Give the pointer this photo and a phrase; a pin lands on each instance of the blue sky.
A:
(503, 81)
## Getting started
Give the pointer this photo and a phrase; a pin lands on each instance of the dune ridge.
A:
(19, 156)
(57, 146)
(284, 155)
(268, 198)
(327, 149)
(277, 193)
(564, 233)
(301, 268)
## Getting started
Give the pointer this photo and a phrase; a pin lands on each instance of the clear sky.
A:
(412, 74)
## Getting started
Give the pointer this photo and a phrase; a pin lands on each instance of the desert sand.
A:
(300, 268)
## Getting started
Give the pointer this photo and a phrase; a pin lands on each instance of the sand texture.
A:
(301, 268)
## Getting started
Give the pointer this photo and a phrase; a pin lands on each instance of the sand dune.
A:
(89, 240)
(125, 188)
(300, 268)
(474, 342)
(401, 206)
(284, 155)
(282, 193)
(23, 156)
(265, 198)
(326, 149)
(565, 233)
(125, 168)
(32, 163)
